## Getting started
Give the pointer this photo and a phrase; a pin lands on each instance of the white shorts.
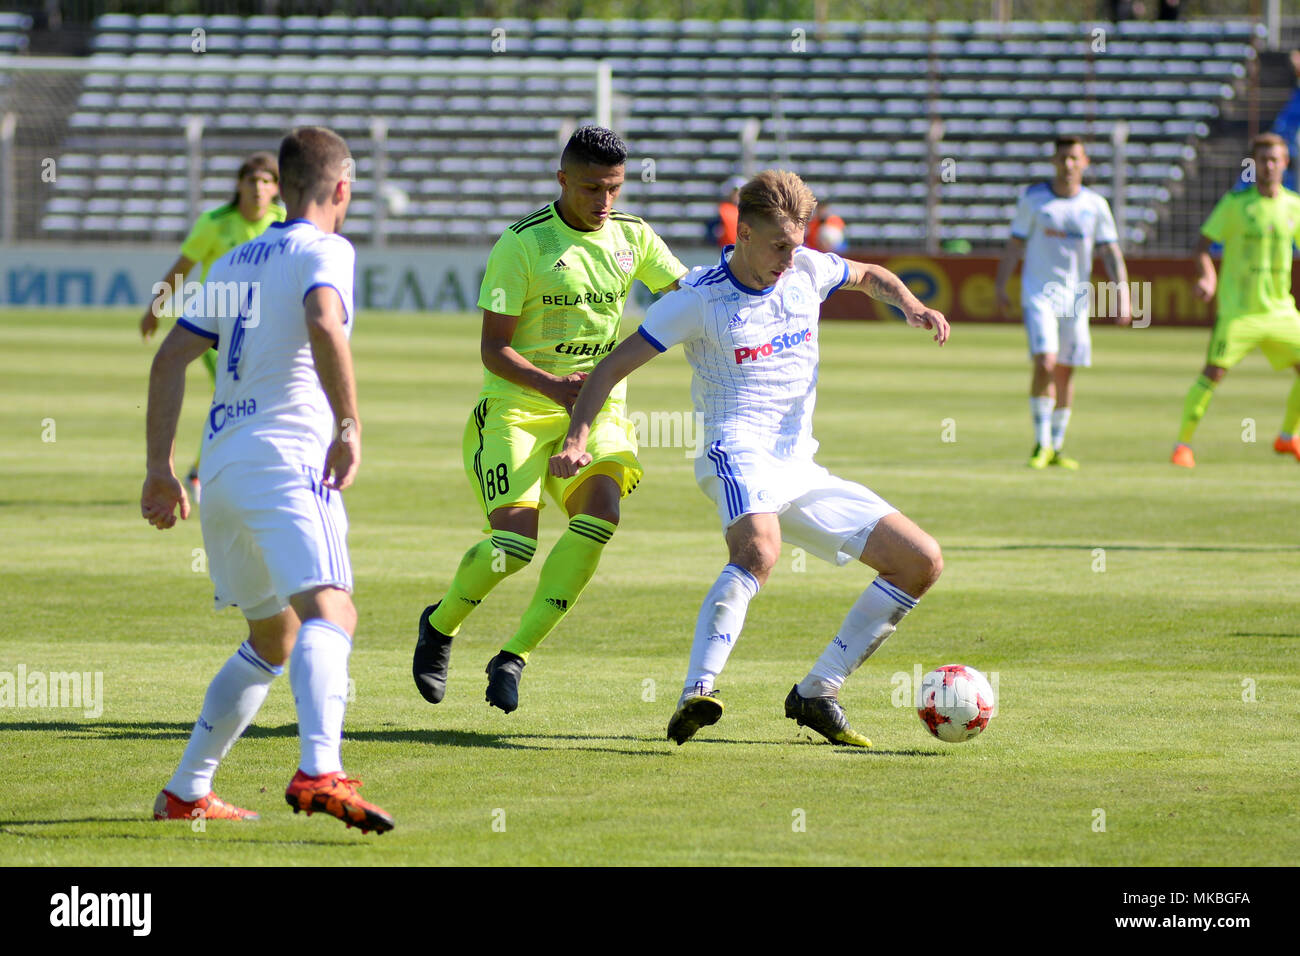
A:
(826, 516)
(271, 532)
(1052, 332)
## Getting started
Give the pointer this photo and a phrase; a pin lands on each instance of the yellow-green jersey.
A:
(1257, 235)
(568, 288)
(220, 230)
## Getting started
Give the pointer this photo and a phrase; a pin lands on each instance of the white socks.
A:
(318, 674)
(232, 701)
(718, 627)
(1060, 421)
(1041, 407)
(872, 618)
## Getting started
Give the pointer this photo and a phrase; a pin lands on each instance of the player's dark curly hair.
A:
(594, 145)
(259, 162)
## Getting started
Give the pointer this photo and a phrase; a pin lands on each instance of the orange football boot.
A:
(168, 806)
(336, 795)
(1182, 456)
(1287, 446)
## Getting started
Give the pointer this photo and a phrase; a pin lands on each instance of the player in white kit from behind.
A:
(283, 439)
(1055, 228)
(750, 330)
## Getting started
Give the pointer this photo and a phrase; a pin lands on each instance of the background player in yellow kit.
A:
(217, 231)
(552, 300)
(1257, 227)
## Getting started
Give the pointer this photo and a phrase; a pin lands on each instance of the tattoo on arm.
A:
(886, 288)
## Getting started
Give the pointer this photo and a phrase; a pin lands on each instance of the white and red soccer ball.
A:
(955, 702)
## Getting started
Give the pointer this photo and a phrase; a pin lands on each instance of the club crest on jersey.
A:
(794, 298)
(625, 260)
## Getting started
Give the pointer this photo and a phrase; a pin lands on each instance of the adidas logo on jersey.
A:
(735, 322)
(559, 264)
(558, 603)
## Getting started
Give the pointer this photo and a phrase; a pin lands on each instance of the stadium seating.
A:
(845, 105)
(13, 32)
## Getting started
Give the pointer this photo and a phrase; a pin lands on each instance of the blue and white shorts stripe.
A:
(825, 515)
(271, 532)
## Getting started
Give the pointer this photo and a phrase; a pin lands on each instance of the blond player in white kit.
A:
(750, 330)
(1056, 227)
(283, 439)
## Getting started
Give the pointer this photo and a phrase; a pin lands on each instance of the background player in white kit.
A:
(750, 330)
(1055, 228)
(283, 440)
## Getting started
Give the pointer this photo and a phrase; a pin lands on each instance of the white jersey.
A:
(753, 351)
(1059, 236)
(269, 406)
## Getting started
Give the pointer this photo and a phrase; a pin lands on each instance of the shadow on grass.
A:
(1264, 634)
(156, 830)
(497, 740)
(110, 730)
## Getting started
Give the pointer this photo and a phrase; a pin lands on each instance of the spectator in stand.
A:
(825, 231)
(722, 230)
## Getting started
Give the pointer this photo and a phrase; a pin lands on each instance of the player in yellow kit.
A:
(552, 299)
(217, 231)
(1257, 227)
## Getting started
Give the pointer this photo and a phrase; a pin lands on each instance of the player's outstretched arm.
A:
(1208, 280)
(631, 354)
(501, 359)
(162, 492)
(1011, 257)
(333, 358)
(880, 283)
(1113, 259)
(165, 290)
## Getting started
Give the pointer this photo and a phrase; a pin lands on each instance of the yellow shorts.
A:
(1277, 336)
(508, 450)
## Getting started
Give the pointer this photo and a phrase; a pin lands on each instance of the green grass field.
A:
(1148, 691)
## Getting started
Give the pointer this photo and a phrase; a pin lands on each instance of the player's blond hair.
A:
(1268, 141)
(776, 194)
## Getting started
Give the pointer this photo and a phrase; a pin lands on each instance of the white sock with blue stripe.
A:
(1041, 409)
(872, 618)
(318, 674)
(232, 701)
(718, 627)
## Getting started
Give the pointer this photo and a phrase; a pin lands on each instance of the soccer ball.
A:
(955, 702)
